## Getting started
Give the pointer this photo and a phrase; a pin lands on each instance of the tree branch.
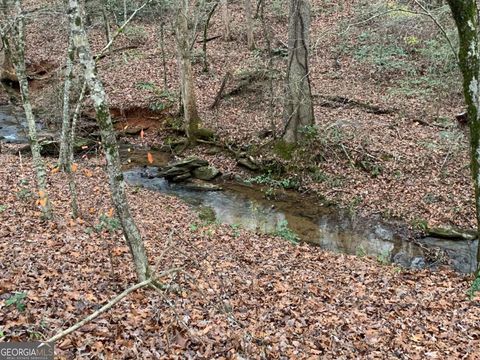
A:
(119, 31)
(100, 311)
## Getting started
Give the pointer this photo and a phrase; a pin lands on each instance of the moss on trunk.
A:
(465, 14)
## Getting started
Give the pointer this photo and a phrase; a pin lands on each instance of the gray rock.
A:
(181, 177)
(206, 173)
(418, 263)
(248, 163)
(200, 185)
(190, 164)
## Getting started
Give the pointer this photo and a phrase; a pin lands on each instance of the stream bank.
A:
(317, 223)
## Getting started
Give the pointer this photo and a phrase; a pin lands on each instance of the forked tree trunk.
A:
(14, 43)
(226, 19)
(187, 86)
(465, 14)
(249, 24)
(109, 142)
(298, 106)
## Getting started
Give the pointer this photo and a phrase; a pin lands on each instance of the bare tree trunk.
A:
(164, 59)
(299, 106)
(205, 37)
(108, 33)
(8, 70)
(109, 142)
(187, 86)
(67, 137)
(15, 45)
(67, 84)
(248, 15)
(465, 14)
(268, 42)
(226, 19)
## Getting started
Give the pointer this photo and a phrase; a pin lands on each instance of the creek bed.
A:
(326, 226)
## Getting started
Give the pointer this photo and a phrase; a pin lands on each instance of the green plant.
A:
(107, 223)
(360, 251)
(352, 206)
(236, 230)
(284, 150)
(24, 194)
(420, 224)
(3, 208)
(17, 299)
(207, 215)
(319, 176)
(165, 98)
(309, 132)
(384, 257)
(286, 233)
(268, 179)
(474, 288)
(193, 227)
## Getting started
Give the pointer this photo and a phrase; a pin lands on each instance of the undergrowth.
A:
(404, 48)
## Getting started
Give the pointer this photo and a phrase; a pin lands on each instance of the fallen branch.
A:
(151, 281)
(123, 48)
(100, 311)
(219, 95)
(341, 101)
(209, 39)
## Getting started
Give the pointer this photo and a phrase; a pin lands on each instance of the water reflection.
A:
(327, 227)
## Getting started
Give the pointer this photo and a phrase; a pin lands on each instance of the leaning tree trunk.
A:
(298, 102)
(248, 15)
(187, 86)
(465, 14)
(15, 45)
(109, 142)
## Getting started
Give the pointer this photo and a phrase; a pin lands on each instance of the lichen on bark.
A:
(109, 142)
(465, 14)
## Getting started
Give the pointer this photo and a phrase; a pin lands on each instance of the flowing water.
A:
(326, 226)
(12, 125)
(314, 222)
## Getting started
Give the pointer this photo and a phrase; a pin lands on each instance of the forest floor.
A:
(241, 294)
(410, 163)
(229, 301)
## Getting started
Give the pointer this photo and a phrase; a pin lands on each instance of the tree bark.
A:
(226, 19)
(205, 37)
(109, 142)
(465, 14)
(66, 122)
(248, 15)
(299, 105)
(14, 43)
(187, 86)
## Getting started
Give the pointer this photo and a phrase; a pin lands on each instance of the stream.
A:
(325, 226)
(12, 125)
